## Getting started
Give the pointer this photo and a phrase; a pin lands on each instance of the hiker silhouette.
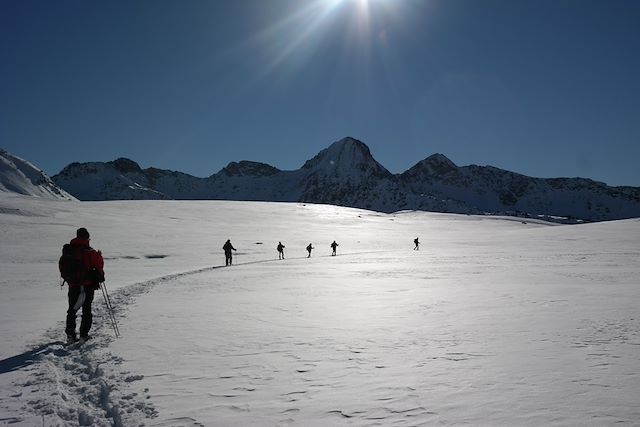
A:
(334, 245)
(228, 247)
(280, 249)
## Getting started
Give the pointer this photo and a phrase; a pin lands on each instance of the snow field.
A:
(386, 338)
(492, 322)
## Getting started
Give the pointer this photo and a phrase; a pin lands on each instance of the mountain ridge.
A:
(346, 174)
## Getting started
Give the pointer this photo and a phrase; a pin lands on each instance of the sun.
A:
(302, 29)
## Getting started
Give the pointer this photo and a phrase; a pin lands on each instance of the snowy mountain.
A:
(19, 176)
(121, 179)
(346, 174)
(489, 189)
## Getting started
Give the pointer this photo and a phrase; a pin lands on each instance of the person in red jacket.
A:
(83, 285)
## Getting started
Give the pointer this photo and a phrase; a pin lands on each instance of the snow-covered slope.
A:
(20, 176)
(489, 189)
(346, 174)
(495, 321)
(121, 179)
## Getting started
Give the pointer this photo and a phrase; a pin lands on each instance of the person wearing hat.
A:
(82, 284)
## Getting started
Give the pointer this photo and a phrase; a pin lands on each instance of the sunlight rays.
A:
(354, 42)
(295, 33)
(303, 30)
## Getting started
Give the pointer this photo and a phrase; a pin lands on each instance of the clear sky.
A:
(546, 88)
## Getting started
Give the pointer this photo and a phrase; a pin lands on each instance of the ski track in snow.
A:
(85, 384)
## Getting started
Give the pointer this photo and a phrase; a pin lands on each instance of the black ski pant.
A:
(87, 316)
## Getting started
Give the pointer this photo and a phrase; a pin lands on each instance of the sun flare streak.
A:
(305, 28)
(290, 34)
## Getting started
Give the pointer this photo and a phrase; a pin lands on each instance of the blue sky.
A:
(546, 88)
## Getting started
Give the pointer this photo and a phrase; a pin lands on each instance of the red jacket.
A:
(90, 258)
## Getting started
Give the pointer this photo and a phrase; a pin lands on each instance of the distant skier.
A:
(280, 250)
(228, 247)
(417, 243)
(309, 247)
(334, 245)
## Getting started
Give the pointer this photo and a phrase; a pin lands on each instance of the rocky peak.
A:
(434, 166)
(125, 165)
(247, 168)
(345, 156)
(438, 164)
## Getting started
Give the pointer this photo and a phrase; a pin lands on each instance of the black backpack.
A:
(71, 265)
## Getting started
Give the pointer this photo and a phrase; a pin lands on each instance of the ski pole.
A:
(112, 316)
(109, 310)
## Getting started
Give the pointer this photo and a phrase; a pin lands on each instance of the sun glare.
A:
(302, 29)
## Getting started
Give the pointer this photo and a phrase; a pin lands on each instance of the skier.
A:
(228, 247)
(280, 250)
(417, 243)
(309, 247)
(83, 277)
(334, 245)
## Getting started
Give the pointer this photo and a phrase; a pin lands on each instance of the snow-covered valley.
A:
(494, 321)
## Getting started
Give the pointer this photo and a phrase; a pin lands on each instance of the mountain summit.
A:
(346, 158)
(121, 179)
(346, 174)
(436, 165)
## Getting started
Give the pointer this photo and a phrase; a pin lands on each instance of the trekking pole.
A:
(116, 329)
(107, 302)
(113, 315)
